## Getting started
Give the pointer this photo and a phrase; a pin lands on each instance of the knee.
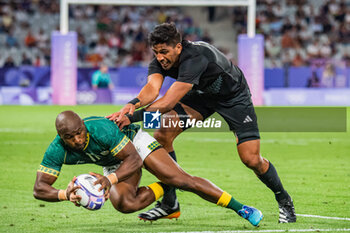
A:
(252, 161)
(124, 207)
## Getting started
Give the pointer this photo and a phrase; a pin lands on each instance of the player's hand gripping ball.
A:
(91, 198)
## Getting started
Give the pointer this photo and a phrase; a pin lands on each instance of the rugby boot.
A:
(252, 214)
(161, 211)
(287, 212)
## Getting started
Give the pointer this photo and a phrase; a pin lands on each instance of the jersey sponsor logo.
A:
(93, 157)
(104, 153)
(151, 120)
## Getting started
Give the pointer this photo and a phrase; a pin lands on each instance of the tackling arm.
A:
(171, 97)
(164, 104)
(151, 90)
(146, 96)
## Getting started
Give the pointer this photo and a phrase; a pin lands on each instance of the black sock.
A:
(169, 197)
(271, 180)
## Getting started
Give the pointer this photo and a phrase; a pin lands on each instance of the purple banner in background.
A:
(251, 61)
(99, 96)
(25, 95)
(64, 68)
(120, 96)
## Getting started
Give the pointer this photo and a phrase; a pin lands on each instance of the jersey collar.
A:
(87, 140)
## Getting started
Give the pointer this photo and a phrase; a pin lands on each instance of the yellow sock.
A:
(157, 190)
(224, 199)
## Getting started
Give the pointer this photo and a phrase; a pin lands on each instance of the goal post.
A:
(62, 51)
(250, 4)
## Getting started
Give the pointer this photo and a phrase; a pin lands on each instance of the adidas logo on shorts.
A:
(247, 119)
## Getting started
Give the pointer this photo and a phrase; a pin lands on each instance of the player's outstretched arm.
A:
(171, 97)
(163, 105)
(146, 96)
(44, 191)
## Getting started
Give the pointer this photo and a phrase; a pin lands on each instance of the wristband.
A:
(134, 101)
(137, 116)
(62, 195)
(113, 178)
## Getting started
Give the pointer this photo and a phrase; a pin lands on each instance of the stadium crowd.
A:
(296, 31)
(114, 35)
(299, 31)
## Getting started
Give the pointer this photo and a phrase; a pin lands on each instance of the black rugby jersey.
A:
(204, 66)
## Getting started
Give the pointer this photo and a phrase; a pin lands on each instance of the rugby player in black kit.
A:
(206, 82)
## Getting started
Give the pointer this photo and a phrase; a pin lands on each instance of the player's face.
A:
(76, 138)
(167, 55)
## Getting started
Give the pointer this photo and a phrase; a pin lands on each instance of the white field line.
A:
(267, 231)
(290, 230)
(325, 217)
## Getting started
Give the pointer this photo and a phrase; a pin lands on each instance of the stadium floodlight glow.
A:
(251, 5)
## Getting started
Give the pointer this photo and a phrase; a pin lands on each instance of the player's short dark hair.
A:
(165, 33)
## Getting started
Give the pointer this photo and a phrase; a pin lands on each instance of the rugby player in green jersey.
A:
(206, 82)
(122, 153)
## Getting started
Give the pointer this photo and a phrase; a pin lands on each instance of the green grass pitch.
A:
(314, 168)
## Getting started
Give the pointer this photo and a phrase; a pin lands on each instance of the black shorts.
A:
(237, 111)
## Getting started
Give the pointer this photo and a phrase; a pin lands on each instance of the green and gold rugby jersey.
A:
(103, 142)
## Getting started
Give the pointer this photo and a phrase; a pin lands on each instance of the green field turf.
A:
(314, 168)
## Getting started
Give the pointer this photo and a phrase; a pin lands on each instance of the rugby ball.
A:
(91, 198)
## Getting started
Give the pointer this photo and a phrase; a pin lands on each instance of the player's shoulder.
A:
(100, 126)
(96, 120)
(56, 146)
(192, 50)
(195, 46)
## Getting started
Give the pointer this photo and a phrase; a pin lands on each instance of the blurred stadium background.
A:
(306, 47)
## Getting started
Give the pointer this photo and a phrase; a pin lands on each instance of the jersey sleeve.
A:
(53, 159)
(155, 68)
(191, 69)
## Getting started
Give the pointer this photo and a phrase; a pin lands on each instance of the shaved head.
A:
(67, 121)
(70, 127)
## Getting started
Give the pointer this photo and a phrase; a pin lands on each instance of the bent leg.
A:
(160, 164)
(249, 152)
(164, 168)
(127, 197)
